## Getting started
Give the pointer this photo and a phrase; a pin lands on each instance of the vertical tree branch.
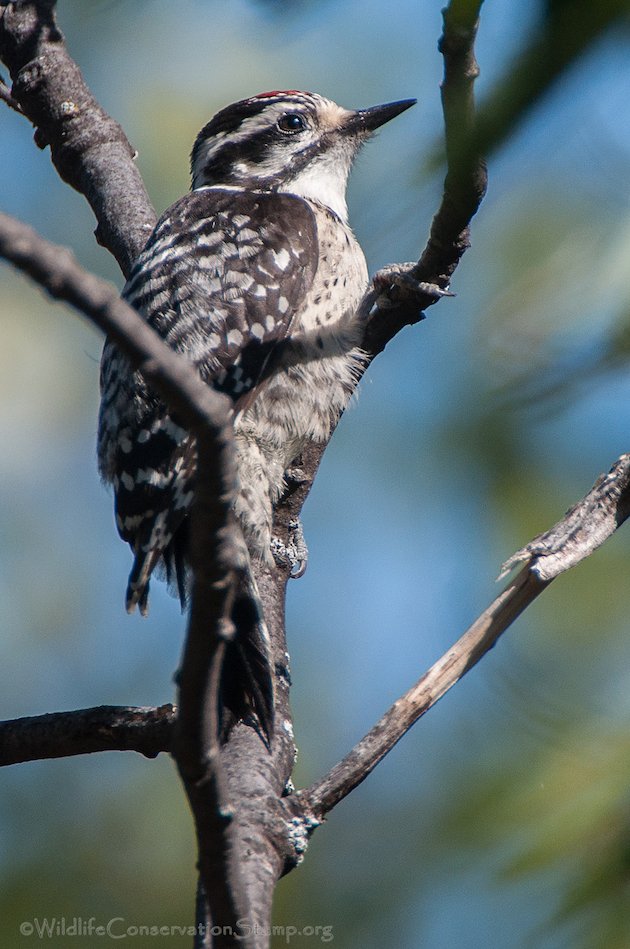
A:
(216, 562)
(466, 179)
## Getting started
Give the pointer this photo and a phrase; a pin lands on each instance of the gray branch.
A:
(583, 528)
(106, 728)
(216, 559)
(322, 796)
(88, 148)
(576, 536)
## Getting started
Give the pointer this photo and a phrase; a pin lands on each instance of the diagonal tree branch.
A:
(584, 528)
(88, 148)
(322, 796)
(216, 545)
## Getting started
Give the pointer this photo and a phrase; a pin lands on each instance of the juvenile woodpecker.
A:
(255, 276)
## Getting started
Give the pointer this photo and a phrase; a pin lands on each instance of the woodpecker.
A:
(255, 276)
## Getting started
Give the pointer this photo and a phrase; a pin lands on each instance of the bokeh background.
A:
(503, 818)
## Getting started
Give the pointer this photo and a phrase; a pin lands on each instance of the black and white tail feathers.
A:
(247, 684)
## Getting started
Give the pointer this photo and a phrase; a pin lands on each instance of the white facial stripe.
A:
(248, 127)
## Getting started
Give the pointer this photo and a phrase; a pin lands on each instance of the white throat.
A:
(318, 182)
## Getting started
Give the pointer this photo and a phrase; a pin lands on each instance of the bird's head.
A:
(296, 142)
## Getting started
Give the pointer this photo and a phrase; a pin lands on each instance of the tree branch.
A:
(400, 294)
(583, 529)
(576, 536)
(216, 557)
(88, 148)
(322, 796)
(6, 97)
(106, 728)
(217, 563)
(270, 837)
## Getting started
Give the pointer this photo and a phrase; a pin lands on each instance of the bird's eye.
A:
(291, 122)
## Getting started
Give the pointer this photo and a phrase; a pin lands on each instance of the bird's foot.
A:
(294, 553)
(397, 283)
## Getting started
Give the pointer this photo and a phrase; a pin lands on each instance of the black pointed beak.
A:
(367, 120)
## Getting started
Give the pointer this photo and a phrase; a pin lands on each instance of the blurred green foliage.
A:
(502, 819)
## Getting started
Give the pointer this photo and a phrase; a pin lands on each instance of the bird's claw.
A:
(398, 282)
(294, 553)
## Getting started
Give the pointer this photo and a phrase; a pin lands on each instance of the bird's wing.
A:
(220, 280)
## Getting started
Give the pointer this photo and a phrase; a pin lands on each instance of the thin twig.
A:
(322, 796)
(401, 293)
(576, 536)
